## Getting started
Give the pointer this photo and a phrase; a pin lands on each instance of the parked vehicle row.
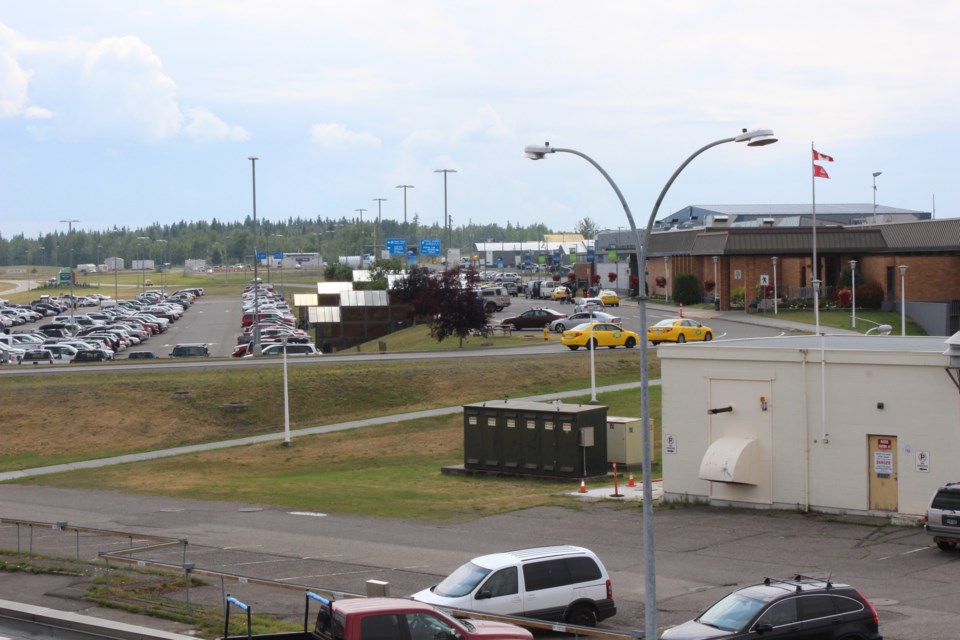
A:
(268, 316)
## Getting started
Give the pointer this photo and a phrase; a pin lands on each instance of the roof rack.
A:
(799, 580)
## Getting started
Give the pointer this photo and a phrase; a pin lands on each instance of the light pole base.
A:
(287, 443)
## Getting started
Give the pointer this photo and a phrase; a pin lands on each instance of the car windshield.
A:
(732, 613)
(462, 581)
(665, 323)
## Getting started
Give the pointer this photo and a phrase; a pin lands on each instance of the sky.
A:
(129, 113)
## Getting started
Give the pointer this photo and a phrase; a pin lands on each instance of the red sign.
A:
(884, 443)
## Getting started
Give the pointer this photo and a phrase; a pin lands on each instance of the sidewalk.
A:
(765, 319)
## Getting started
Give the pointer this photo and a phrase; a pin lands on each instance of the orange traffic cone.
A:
(681, 309)
(583, 486)
(631, 483)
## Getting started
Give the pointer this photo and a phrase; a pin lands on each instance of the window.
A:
(813, 607)
(847, 605)
(781, 613)
(583, 569)
(386, 627)
(502, 583)
(546, 574)
(947, 500)
(425, 626)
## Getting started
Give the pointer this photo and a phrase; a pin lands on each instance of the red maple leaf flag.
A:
(821, 156)
(819, 172)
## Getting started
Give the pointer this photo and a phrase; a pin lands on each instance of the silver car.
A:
(562, 324)
(943, 516)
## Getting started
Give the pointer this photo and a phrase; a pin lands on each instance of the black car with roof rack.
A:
(798, 607)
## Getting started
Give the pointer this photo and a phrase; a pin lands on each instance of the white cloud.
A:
(203, 125)
(332, 135)
(486, 126)
(37, 113)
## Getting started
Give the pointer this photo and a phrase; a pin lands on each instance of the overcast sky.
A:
(130, 113)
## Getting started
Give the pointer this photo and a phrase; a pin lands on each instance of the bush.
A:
(612, 276)
(869, 295)
(686, 288)
(736, 297)
(844, 297)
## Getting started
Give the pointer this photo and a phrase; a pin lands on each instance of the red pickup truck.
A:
(394, 619)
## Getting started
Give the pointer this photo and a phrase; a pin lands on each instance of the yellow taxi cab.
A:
(609, 297)
(602, 334)
(678, 330)
(559, 293)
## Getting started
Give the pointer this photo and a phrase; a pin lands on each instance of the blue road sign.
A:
(429, 247)
(261, 255)
(396, 246)
(278, 255)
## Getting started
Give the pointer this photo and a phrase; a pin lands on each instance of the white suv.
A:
(943, 516)
(561, 583)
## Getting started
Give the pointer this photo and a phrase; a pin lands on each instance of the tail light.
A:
(610, 595)
(876, 620)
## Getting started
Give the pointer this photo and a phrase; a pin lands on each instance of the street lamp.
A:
(903, 300)
(73, 303)
(755, 138)
(666, 277)
(163, 269)
(280, 265)
(361, 235)
(875, 174)
(404, 187)
(286, 398)
(853, 294)
(143, 275)
(774, 259)
(379, 202)
(446, 216)
(256, 258)
(716, 284)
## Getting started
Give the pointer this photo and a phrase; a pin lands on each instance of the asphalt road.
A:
(701, 553)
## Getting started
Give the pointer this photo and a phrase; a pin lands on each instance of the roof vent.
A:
(720, 220)
(768, 222)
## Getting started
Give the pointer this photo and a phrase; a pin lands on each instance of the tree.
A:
(458, 308)
(686, 288)
(337, 272)
(586, 227)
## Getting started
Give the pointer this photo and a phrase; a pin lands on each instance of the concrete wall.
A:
(810, 457)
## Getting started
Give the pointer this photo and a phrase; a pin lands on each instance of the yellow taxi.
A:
(678, 330)
(609, 298)
(602, 334)
(559, 293)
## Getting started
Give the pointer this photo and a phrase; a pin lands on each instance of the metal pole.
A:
(593, 371)
(379, 202)
(641, 240)
(286, 399)
(361, 235)
(256, 279)
(903, 300)
(853, 295)
(875, 174)
(774, 285)
(716, 284)
(70, 266)
(404, 187)
(446, 215)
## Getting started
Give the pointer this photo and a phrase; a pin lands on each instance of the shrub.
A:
(844, 297)
(661, 282)
(686, 288)
(709, 286)
(736, 297)
(612, 276)
(869, 295)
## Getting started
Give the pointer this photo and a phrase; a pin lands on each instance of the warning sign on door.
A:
(883, 463)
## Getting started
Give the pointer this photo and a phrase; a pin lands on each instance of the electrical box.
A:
(535, 438)
(624, 440)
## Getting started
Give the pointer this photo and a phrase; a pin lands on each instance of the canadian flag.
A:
(819, 172)
(821, 156)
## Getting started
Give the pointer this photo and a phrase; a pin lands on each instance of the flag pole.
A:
(815, 282)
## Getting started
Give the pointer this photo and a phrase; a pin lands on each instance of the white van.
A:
(562, 583)
(494, 298)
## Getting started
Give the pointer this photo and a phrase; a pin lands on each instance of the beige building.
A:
(842, 424)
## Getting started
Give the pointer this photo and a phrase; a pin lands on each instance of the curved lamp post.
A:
(755, 138)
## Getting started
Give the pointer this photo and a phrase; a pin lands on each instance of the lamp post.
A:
(280, 265)
(256, 259)
(446, 216)
(853, 294)
(875, 174)
(163, 266)
(379, 202)
(774, 260)
(361, 235)
(716, 284)
(286, 398)
(752, 138)
(116, 284)
(73, 303)
(903, 300)
(666, 277)
(404, 187)
(143, 275)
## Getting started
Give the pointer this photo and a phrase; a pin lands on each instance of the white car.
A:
(293, 350)
(562, 324)
(589, 304)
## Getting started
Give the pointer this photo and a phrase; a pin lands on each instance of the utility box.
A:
(624, 440)
(535, 438)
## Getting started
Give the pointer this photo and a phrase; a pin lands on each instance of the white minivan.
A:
(562, 583)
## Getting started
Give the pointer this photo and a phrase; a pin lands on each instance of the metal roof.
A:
(925, 235)
(845, 342)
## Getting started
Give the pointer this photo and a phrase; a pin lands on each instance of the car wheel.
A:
(707, 337)
(573, 347)
(630, 343)
(681, 339)
(654, 342)
(499, 309)
(947, 546)
(559, 328)
(582, 616)
(592, 344)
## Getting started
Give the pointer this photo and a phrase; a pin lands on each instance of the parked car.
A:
(90, 355)
(609, 297)
(190, 350)
(38, 356)
(599, 334)
(276, 349)
(942, 520)
(678, 330)
(560, 325)
(562, 583)
(532, 319)
(141, 355)
(589, 304)
(800, 607)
